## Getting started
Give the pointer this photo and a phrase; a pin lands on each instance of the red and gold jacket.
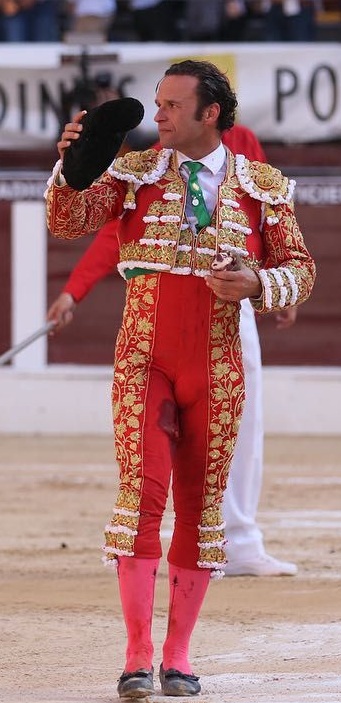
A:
(102, 256)
(254, 217)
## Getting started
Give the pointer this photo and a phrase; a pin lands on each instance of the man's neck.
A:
(198, 152)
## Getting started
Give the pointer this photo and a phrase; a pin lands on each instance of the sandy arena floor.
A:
(264, 640)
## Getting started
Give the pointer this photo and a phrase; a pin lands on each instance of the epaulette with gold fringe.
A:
(141, 166)
(264, 182)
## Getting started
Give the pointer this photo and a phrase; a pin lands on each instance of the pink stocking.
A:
(187, 589)
(137, 584)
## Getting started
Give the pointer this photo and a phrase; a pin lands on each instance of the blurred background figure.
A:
(235, 20)
(90, 91)
(156, 20)
(290, 20)
(242, 20)
(90, 17)
(29, 20)
(203, 20)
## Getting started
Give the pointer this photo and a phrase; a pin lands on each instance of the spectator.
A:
(29, 20)
(290, 20)
(235, 20)
(203, 19)
(155, 20)
(91, 17)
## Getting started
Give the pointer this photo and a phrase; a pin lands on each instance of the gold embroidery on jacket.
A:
(140, 164)
(268, 178)
(168, 238)
(283, 240)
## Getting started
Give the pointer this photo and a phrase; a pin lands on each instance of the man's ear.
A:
(212, 112)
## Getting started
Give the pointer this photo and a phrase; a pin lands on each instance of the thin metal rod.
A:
(8, 355)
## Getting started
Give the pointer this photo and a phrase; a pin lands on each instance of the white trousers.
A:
(244, 485)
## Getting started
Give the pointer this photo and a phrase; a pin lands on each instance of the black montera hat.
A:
(104, 130)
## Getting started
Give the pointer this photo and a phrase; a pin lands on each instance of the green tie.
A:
(197, 198)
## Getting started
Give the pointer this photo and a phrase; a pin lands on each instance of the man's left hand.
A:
(235, 285)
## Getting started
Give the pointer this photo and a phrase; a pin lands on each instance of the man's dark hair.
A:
(213, 87)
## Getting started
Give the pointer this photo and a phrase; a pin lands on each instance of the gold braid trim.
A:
(122, 529)
(143, 167)
(264, 182)
(227, 395)
(211, 555)
(132, 361)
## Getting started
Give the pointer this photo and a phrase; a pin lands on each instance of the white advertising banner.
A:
(286, 93)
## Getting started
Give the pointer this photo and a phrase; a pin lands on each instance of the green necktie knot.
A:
(197, 197)
(193, 167)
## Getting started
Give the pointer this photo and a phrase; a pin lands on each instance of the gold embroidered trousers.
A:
(177, 400)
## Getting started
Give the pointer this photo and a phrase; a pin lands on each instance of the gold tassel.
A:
(129, 200)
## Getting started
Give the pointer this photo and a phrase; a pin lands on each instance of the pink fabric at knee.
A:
(187, 589)
(137, 584)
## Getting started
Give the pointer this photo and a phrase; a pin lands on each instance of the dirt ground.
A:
(264, 640)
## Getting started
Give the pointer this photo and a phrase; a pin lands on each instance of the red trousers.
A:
(177, 398)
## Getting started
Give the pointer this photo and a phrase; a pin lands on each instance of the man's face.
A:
(177, 103)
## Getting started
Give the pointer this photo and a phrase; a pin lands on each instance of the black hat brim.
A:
(104, 130)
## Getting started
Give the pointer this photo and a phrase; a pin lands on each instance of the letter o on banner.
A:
(322, 77)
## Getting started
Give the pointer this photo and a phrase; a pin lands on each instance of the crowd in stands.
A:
(170, 20)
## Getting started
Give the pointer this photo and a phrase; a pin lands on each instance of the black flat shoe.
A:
(175, 683)
(136, 684)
